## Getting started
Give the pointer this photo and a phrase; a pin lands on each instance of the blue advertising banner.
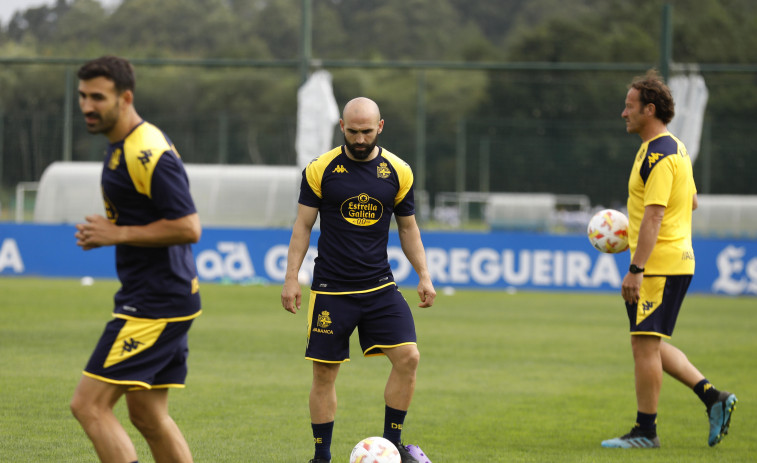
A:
(496, 260)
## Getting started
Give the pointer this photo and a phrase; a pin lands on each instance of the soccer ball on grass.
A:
(375, 450)
(608, 231)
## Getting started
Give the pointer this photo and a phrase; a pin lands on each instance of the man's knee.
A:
(78, 407)
(408, 359)
(146, 422)
(324, 374)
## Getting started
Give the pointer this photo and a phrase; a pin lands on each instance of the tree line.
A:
(525, 131)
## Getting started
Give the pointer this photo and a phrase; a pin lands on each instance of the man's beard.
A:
(360, 151)
(106, 121)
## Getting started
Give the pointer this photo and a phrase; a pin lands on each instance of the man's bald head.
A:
(361, 123)
(362, 108)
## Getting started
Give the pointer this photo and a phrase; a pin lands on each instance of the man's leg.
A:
(399, 393)
(148, 411)
(648, 376)
(720, 404)
(647, 371)
(401, 383)
(323, 407)
(92, 405)
(676, 364)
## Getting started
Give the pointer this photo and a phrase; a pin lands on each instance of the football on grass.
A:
(608, 231)
(375, 450)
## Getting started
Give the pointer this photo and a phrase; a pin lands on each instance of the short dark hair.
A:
(118, 70)
(652, 89)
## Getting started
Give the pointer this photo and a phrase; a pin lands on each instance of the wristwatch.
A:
(634, 269)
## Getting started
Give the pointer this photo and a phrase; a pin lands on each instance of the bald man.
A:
(356, 188)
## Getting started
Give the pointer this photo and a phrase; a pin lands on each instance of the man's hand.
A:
(291, 295)
(97, 231)
(427, 293)
(631, 287)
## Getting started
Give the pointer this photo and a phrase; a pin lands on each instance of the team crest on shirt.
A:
(115, 158)
(324, 321)
(362, 210)
(383, 171)
(110, 208)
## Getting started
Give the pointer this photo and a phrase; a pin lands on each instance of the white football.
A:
(608, 231)
(375, 450)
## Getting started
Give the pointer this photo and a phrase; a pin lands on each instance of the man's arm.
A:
(98, 231)
(412, 246)
(648, 232)
(291, 293)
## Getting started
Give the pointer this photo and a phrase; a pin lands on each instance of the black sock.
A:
(322, 439)
(706, 393)
(393, 420)
(647, 422)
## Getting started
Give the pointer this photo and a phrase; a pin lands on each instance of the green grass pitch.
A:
(526, 377)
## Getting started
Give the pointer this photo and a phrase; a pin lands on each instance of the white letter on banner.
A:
(275, 262)
(10, 256)
(542, 268)
(751, 271)
(605, 271)
(484, 266)
(209, 265)
(558, 268)
(729, 262)
(436, 259)
(578, 265)
(458, 265)
(237, 264)
(402, 266)
(508, 267)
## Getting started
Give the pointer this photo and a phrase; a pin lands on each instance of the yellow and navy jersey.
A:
(143, 180)
(356, 201)
(662, 175)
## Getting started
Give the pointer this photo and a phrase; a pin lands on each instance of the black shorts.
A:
(382, 317)
(659, 302)
(141, 353)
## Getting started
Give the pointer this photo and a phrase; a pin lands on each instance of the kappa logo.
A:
(145, 158)
(654, 157)
(130, 345)
(340, 170)
(646, 306)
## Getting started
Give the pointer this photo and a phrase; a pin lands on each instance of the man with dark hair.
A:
(356, 188)
(661, 198)
(151, 221)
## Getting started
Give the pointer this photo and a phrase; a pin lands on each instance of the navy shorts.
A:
(659, 302)
(382, 317)
(141, 353)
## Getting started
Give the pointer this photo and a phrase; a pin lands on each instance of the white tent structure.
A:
(690, 95)
(225, 195)
(317, 114)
